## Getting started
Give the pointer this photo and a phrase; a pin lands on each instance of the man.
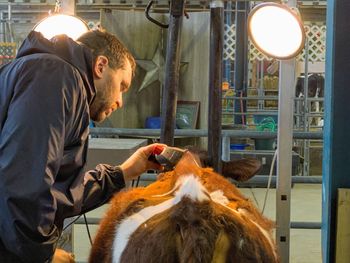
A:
(48, 95)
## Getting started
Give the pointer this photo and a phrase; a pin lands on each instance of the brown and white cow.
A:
(190, 215)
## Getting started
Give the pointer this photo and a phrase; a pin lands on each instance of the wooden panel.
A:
(142, 38)
(343, 226)
(194, 79)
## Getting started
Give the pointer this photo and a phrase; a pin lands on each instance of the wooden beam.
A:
(343, 226)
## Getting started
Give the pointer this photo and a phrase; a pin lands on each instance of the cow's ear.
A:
(241, 170)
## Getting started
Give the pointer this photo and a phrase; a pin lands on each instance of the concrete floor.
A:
(305, 246)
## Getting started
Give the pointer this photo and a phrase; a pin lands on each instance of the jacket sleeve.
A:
(100, 184)
(31, 148)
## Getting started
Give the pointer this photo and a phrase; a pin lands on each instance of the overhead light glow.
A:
(58, 24)
(276, 30)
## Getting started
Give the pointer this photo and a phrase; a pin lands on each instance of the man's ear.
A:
(100, 66)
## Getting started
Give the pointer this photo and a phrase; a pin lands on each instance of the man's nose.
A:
(119, 100)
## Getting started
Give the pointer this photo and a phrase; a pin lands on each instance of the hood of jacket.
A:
(67, 49)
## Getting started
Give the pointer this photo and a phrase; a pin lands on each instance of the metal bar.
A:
(200, 133)
(172, 69)
(297, 224)
(215, 82)
(261, 92)
(225, 148)
(310, 115)
(241, 55)
(263, 179)
(269, 98)
(305, 225)
(2, 27)
(307, 107)
(256, 180)
(284, 154)
(9, 23)
(284, 157)
(227, 62)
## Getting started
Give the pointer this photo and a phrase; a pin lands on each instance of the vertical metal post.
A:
(172, 69)
(227, 61)
(225, 148)
(9, 23)
(284, 154)
(215, 82)
(2, 27)
(307, 108)
(241, 56)
(261, 93)
(336, 153)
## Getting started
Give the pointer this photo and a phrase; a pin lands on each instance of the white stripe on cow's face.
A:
(189, 186)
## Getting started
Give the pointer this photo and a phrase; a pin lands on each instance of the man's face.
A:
(109, 91)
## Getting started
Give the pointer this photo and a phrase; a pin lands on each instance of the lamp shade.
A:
(276, 30)
(58, 24)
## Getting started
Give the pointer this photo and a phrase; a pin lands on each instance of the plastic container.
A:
(264, 144)
(259, 118)
(238, 146)
(266, 124)
(153, 123)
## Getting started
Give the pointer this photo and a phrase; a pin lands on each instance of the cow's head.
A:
(190, 214)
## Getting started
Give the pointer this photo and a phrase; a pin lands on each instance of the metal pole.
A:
(172, 69)
(2, 27)
(284, 155)
(226, 149)
(215, 82)
(241, 55)
(306, 163)
(227, 61)
(200, 133)
(9, 22)
(256, 180)
(296, 224)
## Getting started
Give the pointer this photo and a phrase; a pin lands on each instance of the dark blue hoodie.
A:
(45, 95)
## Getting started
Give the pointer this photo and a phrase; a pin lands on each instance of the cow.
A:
(189, 215)
(315, 90)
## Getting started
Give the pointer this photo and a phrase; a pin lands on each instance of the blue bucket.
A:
(238, 146)
(153, 123)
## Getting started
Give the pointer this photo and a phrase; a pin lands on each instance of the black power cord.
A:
(86, 224)
(87, 229)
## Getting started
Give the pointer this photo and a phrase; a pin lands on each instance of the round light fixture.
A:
(276, 30)
(58, 24)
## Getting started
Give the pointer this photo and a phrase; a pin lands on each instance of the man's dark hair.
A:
(103, 43)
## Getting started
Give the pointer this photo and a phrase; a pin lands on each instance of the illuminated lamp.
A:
(276, 30)
(58, 24)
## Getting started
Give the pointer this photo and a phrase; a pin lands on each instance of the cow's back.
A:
(189, 215)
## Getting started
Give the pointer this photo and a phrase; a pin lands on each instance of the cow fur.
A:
(210, 222)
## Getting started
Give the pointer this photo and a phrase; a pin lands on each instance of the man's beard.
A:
(101, 102)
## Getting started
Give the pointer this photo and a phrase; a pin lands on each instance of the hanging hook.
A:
(148, 7)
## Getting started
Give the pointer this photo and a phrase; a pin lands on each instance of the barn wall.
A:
(143, 38)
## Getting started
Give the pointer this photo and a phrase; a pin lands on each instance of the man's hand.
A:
(62, 256)
(138, 163)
